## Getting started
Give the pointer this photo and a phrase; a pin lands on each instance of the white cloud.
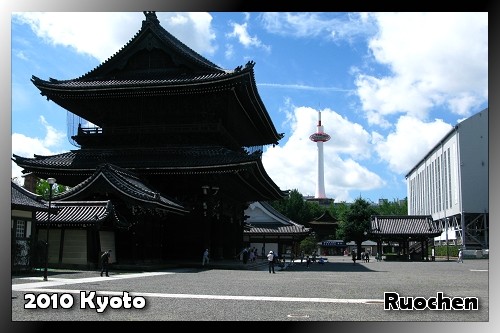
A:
(240, 32)
(307, 25)
(228, 54)
(193, 29)
(25, 146)
(115, 30)
(409, 143)
(435, 59)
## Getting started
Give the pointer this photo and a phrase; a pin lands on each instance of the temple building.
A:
(272, 231)
(168, 150)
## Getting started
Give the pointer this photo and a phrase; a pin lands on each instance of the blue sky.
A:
(389, 85)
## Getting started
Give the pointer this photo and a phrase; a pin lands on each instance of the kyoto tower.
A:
(319, 137)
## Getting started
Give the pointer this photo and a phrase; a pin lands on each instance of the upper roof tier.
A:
(156, 79)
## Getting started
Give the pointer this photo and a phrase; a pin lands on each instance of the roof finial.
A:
(150, 17)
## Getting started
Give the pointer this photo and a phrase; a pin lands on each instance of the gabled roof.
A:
(153, 35)
(80, 214)
(125, 184)
(264, 219)
(325, 219)
(404, 225)
(23, 199)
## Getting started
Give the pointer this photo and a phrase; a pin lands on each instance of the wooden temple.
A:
(411, 233)
(171, 142)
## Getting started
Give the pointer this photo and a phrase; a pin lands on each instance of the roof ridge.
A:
(152, 23)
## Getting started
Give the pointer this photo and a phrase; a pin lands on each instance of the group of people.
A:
(248, 254)
(365, 256)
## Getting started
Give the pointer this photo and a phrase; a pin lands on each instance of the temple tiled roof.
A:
(157, 79)
(263, 228)
(151, 24)
(172, 157)
(79, 214)
(155, 65)
(127, 184)
(405, 225)
(239, 169)
(105, 76)
(325, 218)
(25, 200)
(270, 221)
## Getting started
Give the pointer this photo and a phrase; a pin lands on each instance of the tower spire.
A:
(319, 137)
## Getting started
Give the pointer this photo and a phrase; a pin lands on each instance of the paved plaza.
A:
(227, 291)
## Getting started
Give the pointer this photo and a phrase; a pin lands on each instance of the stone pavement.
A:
(229, 291)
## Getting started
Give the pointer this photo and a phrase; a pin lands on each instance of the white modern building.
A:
(451, 184)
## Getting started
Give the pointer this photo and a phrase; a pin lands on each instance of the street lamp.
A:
(51, 182)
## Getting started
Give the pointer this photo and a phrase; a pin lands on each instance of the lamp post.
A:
(51, 182)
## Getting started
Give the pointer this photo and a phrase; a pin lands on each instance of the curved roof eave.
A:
(116, 178)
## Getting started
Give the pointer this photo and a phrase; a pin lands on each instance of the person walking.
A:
(460, 256)
(245, 255)
(353, 253)
(270, 260)
(206, 258)
(105, 262)
(251, 255)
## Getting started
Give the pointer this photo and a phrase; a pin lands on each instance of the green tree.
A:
(42, 188)
(296, 208)
(308, 244)
(356, 223)
(339, 210)
(395, 207)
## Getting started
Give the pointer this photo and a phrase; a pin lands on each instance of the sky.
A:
(389, 86)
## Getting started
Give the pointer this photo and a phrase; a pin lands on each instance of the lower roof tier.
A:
(176, 171)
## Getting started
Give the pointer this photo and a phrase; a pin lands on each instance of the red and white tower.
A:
(319, 137)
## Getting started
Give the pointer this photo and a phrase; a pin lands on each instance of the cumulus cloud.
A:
(115, 30)
(25, 146)
(409, 142)
(444, 62)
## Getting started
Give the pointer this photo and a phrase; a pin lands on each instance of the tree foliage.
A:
(308, 244)
(356, 223)
(396, 207)
(297, 209)
(339, 210)
(42, 188)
